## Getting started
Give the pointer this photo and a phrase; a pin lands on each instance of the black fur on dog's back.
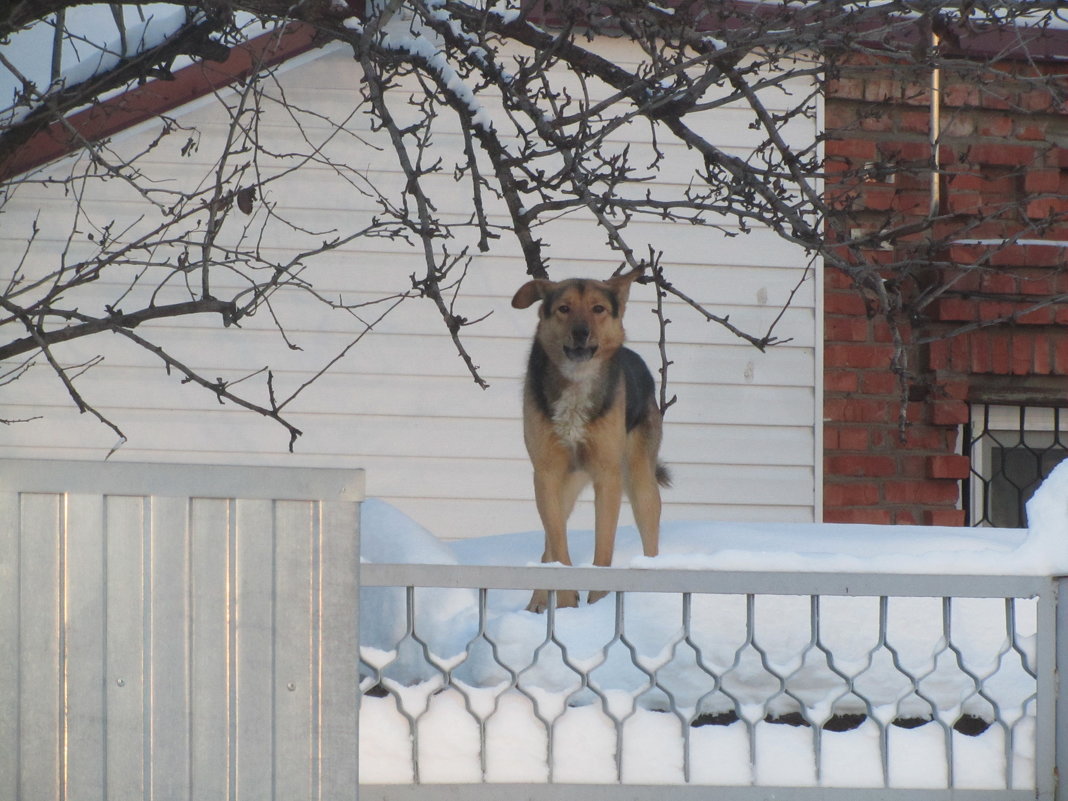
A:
(641, 398)
(640, 387)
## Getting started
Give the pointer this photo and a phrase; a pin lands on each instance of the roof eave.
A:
(149, 100)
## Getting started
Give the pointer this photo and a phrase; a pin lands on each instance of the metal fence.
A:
(760, 685)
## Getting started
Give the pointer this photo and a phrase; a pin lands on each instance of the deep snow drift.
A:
(909, 692)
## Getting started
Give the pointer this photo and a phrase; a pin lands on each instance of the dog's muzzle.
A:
(581, 350)
(581, 354)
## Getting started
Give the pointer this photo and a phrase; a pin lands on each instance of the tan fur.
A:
(575, 419)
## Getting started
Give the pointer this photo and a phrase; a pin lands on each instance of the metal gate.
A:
(177, 632)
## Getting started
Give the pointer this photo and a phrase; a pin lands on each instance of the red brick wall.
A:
(1003, 151)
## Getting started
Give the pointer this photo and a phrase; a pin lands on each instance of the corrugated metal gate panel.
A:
(162, 641)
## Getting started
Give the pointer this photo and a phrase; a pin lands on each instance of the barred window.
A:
(1012, 449)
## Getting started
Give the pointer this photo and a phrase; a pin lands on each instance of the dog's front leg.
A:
(554, 497)
(548, 495)
(607, 496)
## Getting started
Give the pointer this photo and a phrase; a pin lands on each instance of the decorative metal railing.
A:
(801, 685)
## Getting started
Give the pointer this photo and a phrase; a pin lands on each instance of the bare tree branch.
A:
(544, 127)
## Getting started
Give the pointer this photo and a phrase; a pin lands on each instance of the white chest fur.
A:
(574, 408)
(571, 414)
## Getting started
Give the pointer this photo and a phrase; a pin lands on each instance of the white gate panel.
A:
(177, 632)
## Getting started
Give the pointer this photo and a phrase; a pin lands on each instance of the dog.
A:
(589, 416)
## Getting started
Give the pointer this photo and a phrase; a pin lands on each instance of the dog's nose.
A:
(579, 334)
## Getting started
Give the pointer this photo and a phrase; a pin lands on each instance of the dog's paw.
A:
(596, 595)
(567, 598)
(539, 601)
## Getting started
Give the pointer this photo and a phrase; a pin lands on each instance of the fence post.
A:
(1060, 688)
(356, 662)
(1051, 707)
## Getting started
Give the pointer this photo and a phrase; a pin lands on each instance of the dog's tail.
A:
(663, 475)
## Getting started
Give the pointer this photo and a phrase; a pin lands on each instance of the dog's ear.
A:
(531, 292)
(620, 284)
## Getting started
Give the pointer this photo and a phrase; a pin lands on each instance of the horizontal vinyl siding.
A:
(740, 439)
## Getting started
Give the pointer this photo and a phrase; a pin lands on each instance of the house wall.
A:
(401, 405)
(1002, 150)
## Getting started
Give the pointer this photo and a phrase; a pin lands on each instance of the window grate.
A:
(1012, 449)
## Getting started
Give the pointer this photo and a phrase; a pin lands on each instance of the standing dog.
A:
(589, 415)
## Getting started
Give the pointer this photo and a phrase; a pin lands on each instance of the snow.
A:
(1005, 241)
(422, 44)
(620, 688)
(93, 46)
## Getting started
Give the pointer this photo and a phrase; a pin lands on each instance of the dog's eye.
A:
(564, 309)
(599, 309)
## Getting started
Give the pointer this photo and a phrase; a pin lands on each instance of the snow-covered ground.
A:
(655, 688)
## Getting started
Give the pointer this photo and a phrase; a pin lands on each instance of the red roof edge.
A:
(156, 97)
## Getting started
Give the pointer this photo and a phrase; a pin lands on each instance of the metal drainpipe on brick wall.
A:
(936, 128)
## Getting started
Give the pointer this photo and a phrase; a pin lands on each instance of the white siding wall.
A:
(741, 440)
